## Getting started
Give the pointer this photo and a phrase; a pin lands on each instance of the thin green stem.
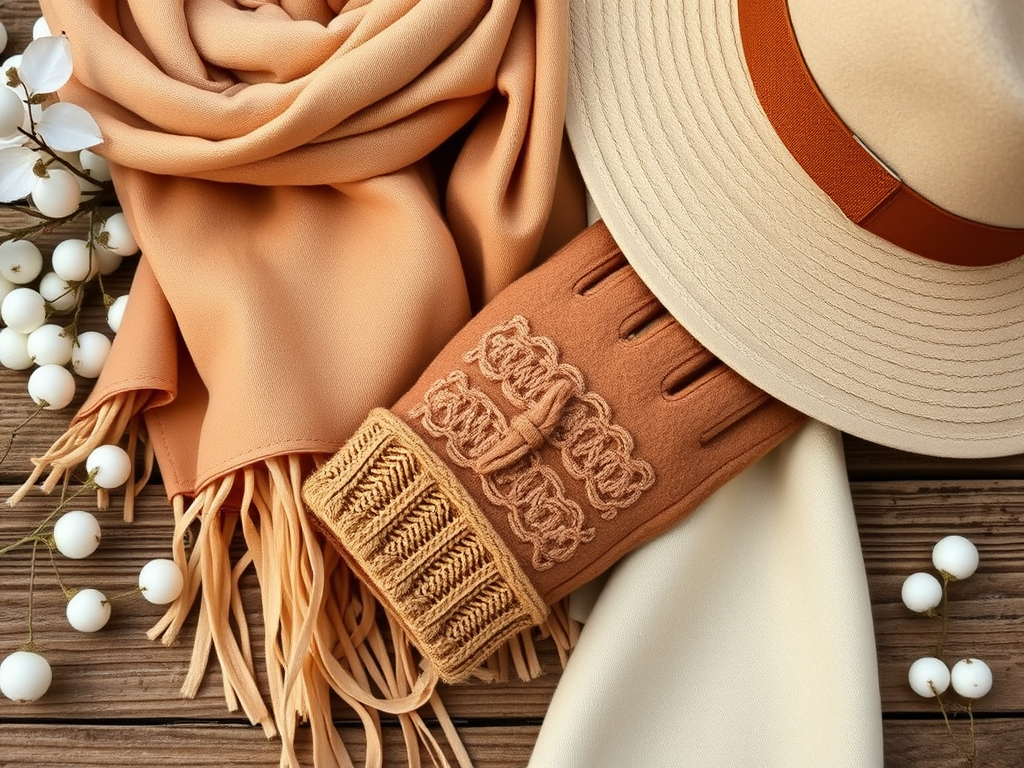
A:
(68, 594)
(120, 595)
(88, 485)
(14, 432)
(79, 302)
(31, 590)
(107, 300)
(972, 757)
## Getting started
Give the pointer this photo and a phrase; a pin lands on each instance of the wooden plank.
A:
(908, 744)
(899, 523)
(868, 461)
(928, 744)
(215, 746)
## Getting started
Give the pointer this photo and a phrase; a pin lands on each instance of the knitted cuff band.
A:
(408, 526)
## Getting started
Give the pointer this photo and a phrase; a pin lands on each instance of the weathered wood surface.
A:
(117, 693)
(115, 697)
(212, 745)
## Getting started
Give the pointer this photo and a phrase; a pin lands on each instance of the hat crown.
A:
(935, 90)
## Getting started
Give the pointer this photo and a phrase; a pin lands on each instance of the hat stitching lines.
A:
(625, 166)
(657, 159)
(591, 141)
(870, 321)
(885, 263)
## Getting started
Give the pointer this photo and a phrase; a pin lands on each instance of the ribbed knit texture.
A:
(402, 519)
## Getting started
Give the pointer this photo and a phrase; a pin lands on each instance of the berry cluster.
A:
(25, 675)
(49, 176)
(955, 558)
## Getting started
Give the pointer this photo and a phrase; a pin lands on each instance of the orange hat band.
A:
(865, 190)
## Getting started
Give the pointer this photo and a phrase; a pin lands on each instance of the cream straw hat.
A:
(912, 119)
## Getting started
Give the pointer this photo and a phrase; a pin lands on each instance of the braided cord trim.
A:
(594, 450)
(533, 494)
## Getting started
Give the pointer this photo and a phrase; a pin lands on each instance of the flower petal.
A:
(46, 64)
(17, 177)
(14, 140)
(68, 128)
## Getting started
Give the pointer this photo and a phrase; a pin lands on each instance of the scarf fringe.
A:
(114, 419)
(323, 630)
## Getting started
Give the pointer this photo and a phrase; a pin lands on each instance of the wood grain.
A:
(867, 461)
(899, 522)
(215, 745)
(909, 744)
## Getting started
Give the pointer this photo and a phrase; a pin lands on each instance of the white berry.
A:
(76, 534)
(52, 384)
(23, 309)
(96, 165)
(14, 350)
(972, 678)
(115, 313)
(6, 286)
(72, 260)
(12, 111)
(57, 194)
(107, 262)
(119, 238)
(111, 465)
(955, 556)
(88, 610)
(160, 581)
(57, 293)
(49, 344)
(921, 592)
(20, 260)
(928, 676)
(89, 353)
(25, 676)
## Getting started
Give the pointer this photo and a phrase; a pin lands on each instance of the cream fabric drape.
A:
(741, 638)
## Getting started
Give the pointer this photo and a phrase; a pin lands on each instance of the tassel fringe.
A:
(323, 634)
(111, 421)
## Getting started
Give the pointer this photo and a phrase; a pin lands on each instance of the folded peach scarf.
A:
(324, 192)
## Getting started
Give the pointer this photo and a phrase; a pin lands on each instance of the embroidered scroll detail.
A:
(594, 450)
(538, 511)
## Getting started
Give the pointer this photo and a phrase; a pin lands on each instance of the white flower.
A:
(46, 64)
(17, 175)
(60, 127)
(68, 128)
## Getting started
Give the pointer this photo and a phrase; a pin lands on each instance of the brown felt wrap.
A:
(567, 423)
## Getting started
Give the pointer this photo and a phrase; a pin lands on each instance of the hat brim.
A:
(756, 262)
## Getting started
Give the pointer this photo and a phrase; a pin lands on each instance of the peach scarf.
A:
(324, 191)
